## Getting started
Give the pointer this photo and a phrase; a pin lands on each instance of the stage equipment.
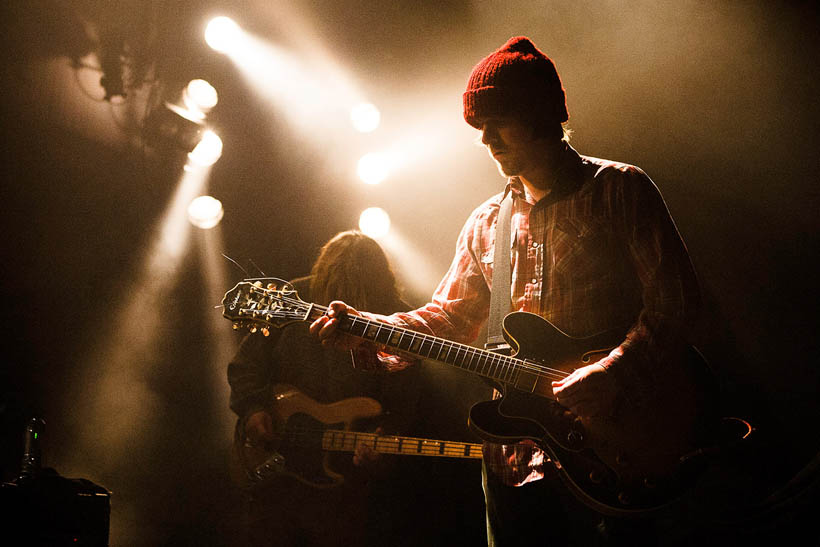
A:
(42, 508)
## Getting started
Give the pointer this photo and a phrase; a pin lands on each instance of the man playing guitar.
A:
(592, 248)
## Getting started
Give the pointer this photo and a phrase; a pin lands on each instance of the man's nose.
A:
(489, 133)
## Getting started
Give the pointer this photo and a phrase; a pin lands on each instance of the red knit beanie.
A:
(518, 80)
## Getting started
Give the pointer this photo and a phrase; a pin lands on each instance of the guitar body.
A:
(625, 464)
(297, 449)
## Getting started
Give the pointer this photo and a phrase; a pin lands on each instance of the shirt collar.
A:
(570, 178)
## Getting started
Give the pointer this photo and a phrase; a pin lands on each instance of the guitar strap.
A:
(500, 291)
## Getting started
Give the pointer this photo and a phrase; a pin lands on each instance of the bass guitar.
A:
(307, 432)
(627, 464)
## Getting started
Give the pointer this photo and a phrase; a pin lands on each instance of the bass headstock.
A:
(257, 304)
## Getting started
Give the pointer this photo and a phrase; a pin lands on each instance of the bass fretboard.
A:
(347, 441)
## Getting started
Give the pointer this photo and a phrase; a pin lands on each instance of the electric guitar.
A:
(302, 443)
(627, 464)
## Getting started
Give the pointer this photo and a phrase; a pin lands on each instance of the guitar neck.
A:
(495, 366)
(347, 441)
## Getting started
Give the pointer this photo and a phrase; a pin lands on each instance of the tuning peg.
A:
(253, 329)
(265, 331)
(272, 286)
(237, 326)
(257, 284)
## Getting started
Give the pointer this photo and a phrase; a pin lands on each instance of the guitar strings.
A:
(535, 368)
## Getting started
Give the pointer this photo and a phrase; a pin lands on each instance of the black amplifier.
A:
(50, 510)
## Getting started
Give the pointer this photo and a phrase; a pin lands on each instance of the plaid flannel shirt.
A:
(600, 251)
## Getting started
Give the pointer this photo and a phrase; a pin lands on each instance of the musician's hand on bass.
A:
(588, 391)
(259, 427)
(326, 327)
(364, 455)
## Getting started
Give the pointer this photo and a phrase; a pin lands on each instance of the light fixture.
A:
(207, 151)
(372, 168)
(180, 122)
(222, 33)
(205, 212)
(374, 222)
(365, 117)
(199, 97)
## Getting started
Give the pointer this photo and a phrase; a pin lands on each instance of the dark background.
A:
(717, 101)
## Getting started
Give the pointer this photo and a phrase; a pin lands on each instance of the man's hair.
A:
(353, 268)
(550, 130)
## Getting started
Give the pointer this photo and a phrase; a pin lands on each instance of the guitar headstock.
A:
(259, 304)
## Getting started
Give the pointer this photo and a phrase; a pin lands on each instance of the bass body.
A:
(307, 434)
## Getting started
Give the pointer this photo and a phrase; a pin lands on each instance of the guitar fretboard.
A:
(495, 366)
(277, 307)
(347, 441)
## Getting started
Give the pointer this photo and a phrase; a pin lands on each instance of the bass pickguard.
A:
(296, 450)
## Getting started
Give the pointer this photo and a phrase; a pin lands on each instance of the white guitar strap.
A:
(500, 299)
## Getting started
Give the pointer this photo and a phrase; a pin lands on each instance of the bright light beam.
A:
(312, 98)
(123, 404)
(211, 246)
(407, 258)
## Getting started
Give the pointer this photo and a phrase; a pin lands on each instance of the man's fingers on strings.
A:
(317, 325)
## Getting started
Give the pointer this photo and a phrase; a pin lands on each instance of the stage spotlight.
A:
(372, 168)
(199, 97)
(207, 151)
(172, 125)
(374, 222)
(205, 212)
(179, 122)
(365, 117)
(222, 33)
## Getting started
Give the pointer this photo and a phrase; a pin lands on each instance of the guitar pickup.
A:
(274, 465)
(526, 381)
